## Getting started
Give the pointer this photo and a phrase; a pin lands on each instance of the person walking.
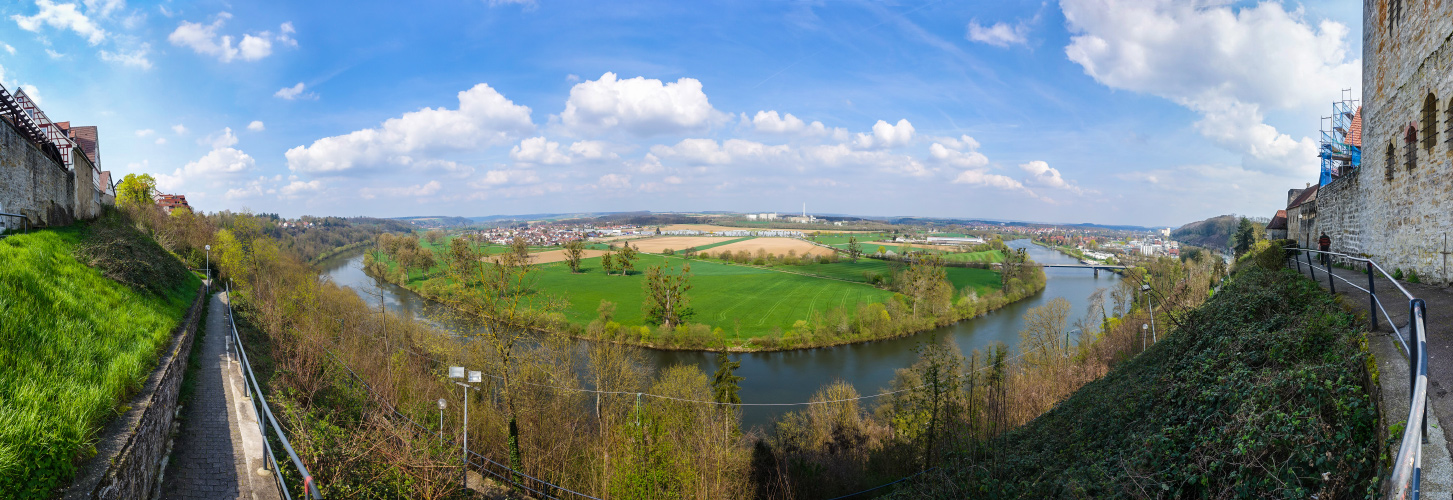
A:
(1324, 244)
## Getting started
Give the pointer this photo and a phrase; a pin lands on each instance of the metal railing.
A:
(266, 419)
(1406, 478)
(26, 224)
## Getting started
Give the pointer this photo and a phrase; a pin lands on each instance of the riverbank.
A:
(839, 311)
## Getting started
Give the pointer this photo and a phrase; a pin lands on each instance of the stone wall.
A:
(87, 204)
(131, 446)
(1398, 209)
(33, 184)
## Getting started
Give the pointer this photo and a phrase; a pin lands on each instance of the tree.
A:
(608, 263)
(574, 251)
(520, 250)
(501, 298)
(136, 190)
(627, 259)
(1245, 236)
(854, 249)
(666, 301)
(926, 283)
(724, 383)
(1044, 338)
(434, 235)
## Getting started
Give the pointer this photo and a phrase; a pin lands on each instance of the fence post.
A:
(1310, 267)
(1371, 296)
(1331, 285)
(1298, 261)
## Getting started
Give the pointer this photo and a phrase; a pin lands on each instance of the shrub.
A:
(1413, 276)
(1397, 273)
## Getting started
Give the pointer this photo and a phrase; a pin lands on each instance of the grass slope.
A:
(73, 343)
(1261, 395)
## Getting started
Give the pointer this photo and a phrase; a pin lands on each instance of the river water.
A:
(793, 376)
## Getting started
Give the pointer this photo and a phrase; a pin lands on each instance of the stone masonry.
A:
(1398, 207)
(33, 184)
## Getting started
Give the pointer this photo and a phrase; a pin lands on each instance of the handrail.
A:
(1406, 476)
(309, 486)
(22, 217)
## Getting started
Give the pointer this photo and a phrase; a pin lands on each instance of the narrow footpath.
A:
(1386, 344)
(218, 451)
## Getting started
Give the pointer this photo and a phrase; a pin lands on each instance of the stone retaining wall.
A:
(132, 446)
(32, 183)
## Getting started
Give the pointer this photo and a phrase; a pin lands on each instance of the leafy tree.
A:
(434, 235)
(626, 258)
(854, 249)
(608, 263)
(666, 301)
(519, 249)
(574, 251)
(136, 190)
(1245, 236)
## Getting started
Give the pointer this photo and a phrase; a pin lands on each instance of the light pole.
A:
(1143, 328)
(209, 260)
(1148, 302)
(442, 405)
(457, 372)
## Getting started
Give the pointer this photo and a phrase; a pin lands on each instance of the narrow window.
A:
(1430, 122)
(1391, 160)
(1448, 125)
(1410, 141)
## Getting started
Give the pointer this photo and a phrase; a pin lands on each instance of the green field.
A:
(761, 298)
(73, 344)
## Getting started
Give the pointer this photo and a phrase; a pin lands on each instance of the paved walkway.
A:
(217, 453)
(1393, 363)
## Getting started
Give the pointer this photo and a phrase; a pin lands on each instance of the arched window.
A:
(1430, 122)
(1448, 124)
(1391, 160)
(1410, 141)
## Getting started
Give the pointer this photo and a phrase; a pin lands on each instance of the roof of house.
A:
(1309, 194)
(1279, 221)
(1355, 135)
(86, 137)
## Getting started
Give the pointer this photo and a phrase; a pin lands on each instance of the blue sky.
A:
(1147, 112)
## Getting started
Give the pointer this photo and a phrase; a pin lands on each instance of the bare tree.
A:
(666, 301)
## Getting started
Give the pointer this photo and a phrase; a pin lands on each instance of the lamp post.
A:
(209, 260)
(1149, 303)
(457, 372)
(442, 405)
(1143, 328)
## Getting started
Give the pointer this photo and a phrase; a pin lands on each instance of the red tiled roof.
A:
(1307, 195)
(87, 138)
(1355, 135)
(1279, 221)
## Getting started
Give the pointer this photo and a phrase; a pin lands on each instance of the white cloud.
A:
(256, 126)
(1263, 58)
(136, 58)
(484, 118)
(8, 48)
(33, 92)
(145, 132)
(614, 181)
(885, 135)
(222, 139)
(948, 150)
(53, 54)
(104, 8)
(63, 16)
(204, 39)
(1000, 34)
(983, 178)
(639, 106)
(592, 150)
(538, 150)
(771, 122)
(1041, 174)
(179, 129)
(296, 188)
(417, 190)
(497, 178)
(294, 92)
(160, 141)
(219, 161)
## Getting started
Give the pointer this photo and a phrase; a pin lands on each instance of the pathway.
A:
(218, 453)
(1393, 363)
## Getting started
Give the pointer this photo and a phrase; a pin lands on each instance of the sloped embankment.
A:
(75, 340)
(1262, 392)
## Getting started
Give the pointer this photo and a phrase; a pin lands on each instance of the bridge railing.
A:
(1406, 478)
(265, 417)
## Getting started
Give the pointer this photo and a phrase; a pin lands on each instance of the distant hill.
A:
(1212, 233)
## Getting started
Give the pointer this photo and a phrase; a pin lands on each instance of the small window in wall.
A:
(1448, 124)
(1394, 11)
(1430, 122)
(1392, 159)
(1410, 141)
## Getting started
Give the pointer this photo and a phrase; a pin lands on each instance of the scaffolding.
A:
(1341, 147)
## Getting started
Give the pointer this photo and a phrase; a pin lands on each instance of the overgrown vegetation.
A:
(1262, 392)
(75, 341)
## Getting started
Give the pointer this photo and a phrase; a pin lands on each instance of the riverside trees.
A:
(666, 301)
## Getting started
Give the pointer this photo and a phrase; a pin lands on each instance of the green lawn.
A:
(983, 280)
(73, 343)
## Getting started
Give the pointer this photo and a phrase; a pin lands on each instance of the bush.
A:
(1397, 273)
(1268, 254)
(1413, 277)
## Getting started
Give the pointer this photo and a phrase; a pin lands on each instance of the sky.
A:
(1149, 112)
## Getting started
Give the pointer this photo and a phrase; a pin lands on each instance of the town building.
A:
(170, 202)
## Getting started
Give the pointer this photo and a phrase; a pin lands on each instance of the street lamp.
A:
(209, 260)
(442, 405)
(457, 372)
(1146, 289)
(1143, 328)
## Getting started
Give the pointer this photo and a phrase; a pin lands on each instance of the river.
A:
(793, 376)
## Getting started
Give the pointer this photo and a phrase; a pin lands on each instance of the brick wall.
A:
(33, 184)
(131, 447)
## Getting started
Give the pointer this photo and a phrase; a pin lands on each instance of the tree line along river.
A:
(793, 376)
